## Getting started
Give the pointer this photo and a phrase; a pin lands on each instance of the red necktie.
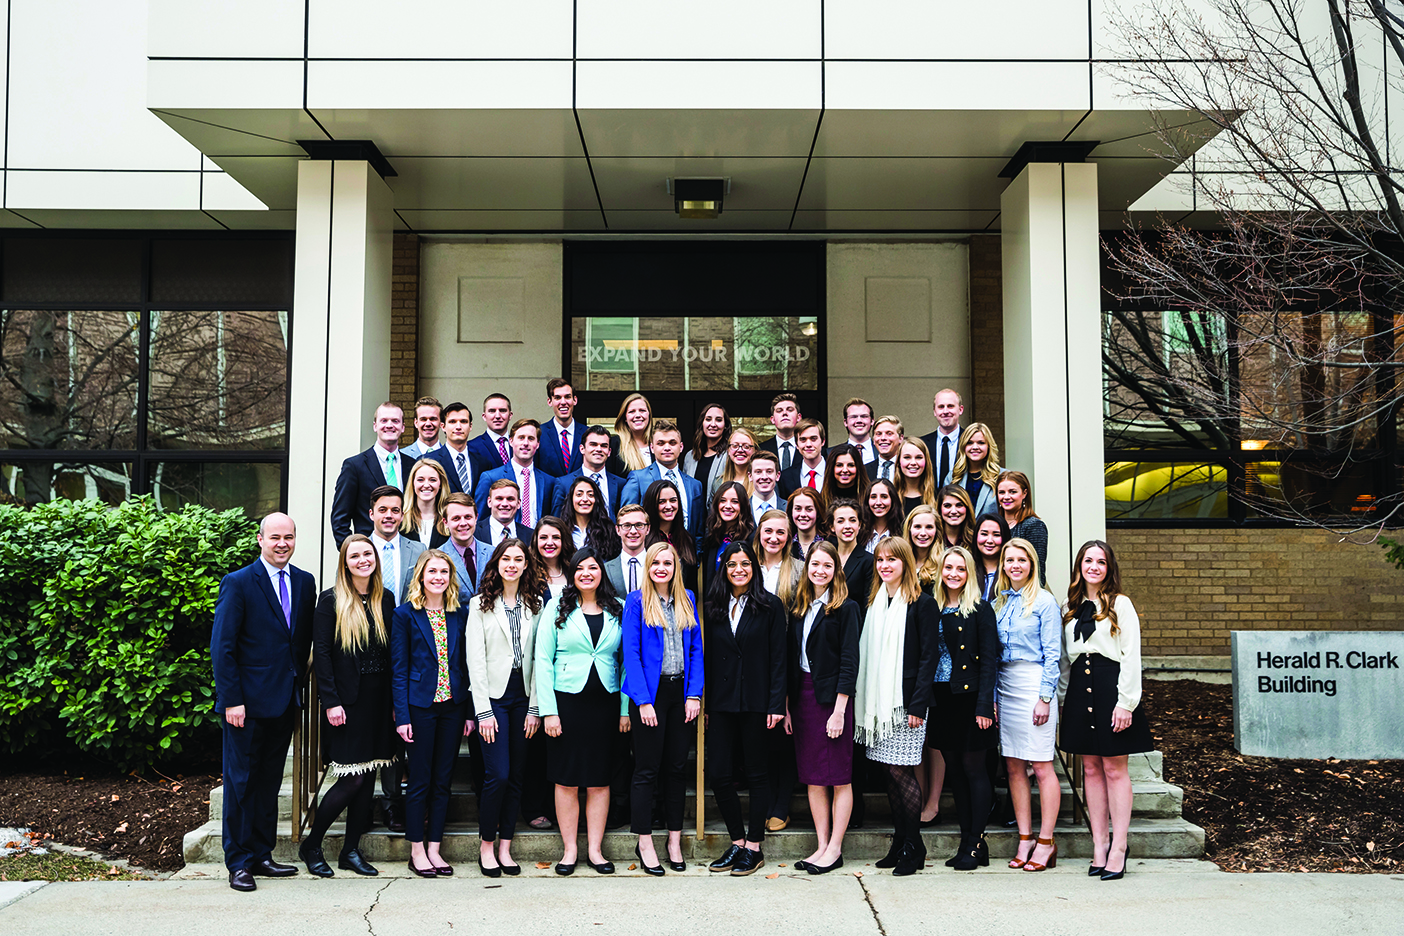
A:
(502, 449)
(812, 485)
(565, 448)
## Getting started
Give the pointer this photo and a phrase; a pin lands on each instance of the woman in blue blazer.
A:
(663, 682)
(577, 693)
(429, 685)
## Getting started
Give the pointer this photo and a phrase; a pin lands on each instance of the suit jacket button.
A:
(965, 667)
(960, 628)
(962, 646)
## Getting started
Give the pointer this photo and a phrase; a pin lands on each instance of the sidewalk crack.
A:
(374, 903)
(868, 898)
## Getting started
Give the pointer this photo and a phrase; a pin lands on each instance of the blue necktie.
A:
(284, 598)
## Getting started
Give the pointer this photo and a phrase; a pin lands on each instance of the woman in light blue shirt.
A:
(1030, 632)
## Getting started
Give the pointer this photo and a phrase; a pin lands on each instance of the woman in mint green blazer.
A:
(577, 690)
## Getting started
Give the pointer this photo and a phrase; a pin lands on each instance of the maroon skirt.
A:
(820, 759)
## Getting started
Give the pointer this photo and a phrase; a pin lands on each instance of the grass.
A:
(60, 867)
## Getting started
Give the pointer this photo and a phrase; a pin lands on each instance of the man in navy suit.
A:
(259, 645)
(501, 522)
(594, 450)
(536, 487)
(559, 453)
(456, 455)
(944, 443)
(382, 463)
(808, 469)
(492, 448)
(665, 441)
(784, 416)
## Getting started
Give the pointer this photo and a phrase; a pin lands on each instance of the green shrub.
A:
(1394, 551)
(105, 618)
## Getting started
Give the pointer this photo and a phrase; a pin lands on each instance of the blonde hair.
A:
(628, 446)
(409, 523)
(789, 575)
(927, 482)
(930, 569)
(991, 471)
(1003, 583)
(684, 615)
(969, 596)
(415, 594)
(729, 470)
(901, 550)
(838, 588)
(353, 630)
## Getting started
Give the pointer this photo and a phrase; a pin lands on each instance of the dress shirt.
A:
(770, 577)
(527, 509)
(571, 430)
(631, 568)
(273, 572)
(601, 482)
(877, 538)
(463, 467)
(1124, 648)
(867, 448)
(787, 451)
(383, 455)
(514, 624)
(390, 564)
(1035, 637)
(500, 531)
(941, 439)
(818, 475)
(426, 529)
(672, 641)
(760, 505)
(816, 607)
(737, 608)
(418, 450)
(497, 442)
(577, 536)
(887, 468)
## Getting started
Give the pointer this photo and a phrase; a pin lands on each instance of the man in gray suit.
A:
(632, 526)
(397, 554)
(461, 518)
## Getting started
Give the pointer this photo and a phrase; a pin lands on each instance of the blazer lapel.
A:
(421, 618)
(499, 613)
(261, 573)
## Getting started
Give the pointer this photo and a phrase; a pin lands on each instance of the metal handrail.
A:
(308, 769)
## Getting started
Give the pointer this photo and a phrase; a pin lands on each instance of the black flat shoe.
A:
(604, 867)
(489, 872)
(511, 870)
(316, 862)
(422, 872)
(565, 870)
(443, 870)
(801, 865)
(727, 859)
(824, 869)
(655, 870)
(933, 821)
(353, 860)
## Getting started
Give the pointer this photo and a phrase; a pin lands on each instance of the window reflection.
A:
(41, 482)
(254, 487)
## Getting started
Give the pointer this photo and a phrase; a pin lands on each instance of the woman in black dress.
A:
(963, 700)
(1102, 717)
(351, 656)
(845, 475)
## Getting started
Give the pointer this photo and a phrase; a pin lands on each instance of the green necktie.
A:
(391, 477)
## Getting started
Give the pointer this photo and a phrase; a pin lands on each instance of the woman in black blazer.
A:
(729, 520)
(823, 674)
(896, 662)
(744, 632)
(351, 657)
(846, 520)
(963, 700)
(430, 685)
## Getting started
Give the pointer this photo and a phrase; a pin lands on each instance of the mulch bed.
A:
(1258, 814)
(1263, 814)
(123, 816)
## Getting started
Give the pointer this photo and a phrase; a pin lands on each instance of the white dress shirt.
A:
(810, 616)
(577, 536)
(383, 455)
(625, 560)
(892, 470)
(389, 551)
(760, 505)
(737, 608)
(867, 448)
(786, 448)
(273, 571)
(818, 470)
(500, 531)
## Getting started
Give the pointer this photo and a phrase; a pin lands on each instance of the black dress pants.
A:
(660, 749)
(437, 732)
(724, 729)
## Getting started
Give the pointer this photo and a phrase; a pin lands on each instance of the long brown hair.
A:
(901, 550)
(1110, 590)
(1026, 510)
(967, 526)
(530, 587)
(838, 588)
(699, 439)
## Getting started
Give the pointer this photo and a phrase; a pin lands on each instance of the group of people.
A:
(568, 597)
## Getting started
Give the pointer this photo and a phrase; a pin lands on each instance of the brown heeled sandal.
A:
(1052, 862)
(1015, 862)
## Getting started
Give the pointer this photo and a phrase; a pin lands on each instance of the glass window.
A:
(1165, 377)
(1165, 491)
(38, 482)
(68, 380)
(219, 380)
(255, 487)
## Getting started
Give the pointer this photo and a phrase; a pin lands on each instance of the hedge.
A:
(105, 617)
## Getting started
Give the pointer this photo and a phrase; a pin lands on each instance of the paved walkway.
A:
(1160, 897)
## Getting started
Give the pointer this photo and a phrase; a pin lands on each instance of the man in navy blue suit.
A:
(666, 443)
(492, 447)
(457, 457)
(536, 486)
(260, 643)
(559, 453)
(594, 450)
(382, 463)
(501, 521)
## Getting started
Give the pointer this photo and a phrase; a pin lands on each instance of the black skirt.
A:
(367, 741)
(1086, 723)
(580, 757)
(950, 725)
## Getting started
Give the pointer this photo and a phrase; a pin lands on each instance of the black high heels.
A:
(655, 870)
(893, 854)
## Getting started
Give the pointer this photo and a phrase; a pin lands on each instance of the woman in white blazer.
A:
(577, 692)
(501, 646)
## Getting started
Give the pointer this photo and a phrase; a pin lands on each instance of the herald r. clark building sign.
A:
(1315, 694)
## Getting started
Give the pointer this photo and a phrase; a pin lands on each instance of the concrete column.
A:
(340, 340)
(1053, 352)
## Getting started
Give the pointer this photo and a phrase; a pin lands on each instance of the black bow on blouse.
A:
(1086, 620)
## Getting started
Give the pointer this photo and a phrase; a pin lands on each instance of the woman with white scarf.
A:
(896, 667)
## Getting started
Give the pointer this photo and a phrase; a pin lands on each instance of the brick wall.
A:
(404, 327)
(1191, 587)
(986, 404)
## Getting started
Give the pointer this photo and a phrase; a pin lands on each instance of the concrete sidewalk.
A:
(1160, 897)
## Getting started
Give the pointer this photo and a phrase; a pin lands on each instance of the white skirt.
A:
(1019, 683)
(903, 747)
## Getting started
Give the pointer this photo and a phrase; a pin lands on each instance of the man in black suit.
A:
(808, 469)
(858, 420)
(382, 463)
(944, 443)
(459, 461)
(784, 416)
(594, 450)
(260, 643)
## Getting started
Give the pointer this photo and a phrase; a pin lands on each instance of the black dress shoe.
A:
(727, 859)
(655, 870)
(511, 870)
(825, 869)
(394, 816)
(1114, 875)
(913, 860)
(242, 880)
(422, 872)
(316, 862)
(270, 868)
(353, 861)
(893, 854)
(749, 863)
(604, 867)
(443, 870)
(677, 865)
(489, 872)
(565, 870)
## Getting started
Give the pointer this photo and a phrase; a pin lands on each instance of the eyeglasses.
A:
(633, 527)
(741, 447)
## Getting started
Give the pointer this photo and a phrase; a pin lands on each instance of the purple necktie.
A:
(502, 449)
(284, 598)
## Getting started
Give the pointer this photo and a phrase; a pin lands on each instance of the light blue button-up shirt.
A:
(1036, 637)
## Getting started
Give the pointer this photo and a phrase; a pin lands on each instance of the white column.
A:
(340, 340)
(1053, 352)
